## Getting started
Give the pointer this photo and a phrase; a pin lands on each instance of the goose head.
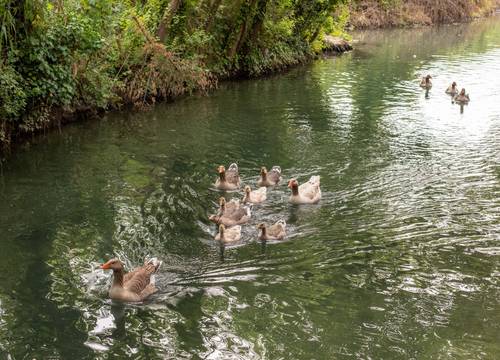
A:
(428, 78)
(261, 226)
(263, 172)
(113, 264)
(453, 85)
(293, 184)
(462, 92)
(222, 172)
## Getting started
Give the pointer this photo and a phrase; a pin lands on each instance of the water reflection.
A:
(401, 247)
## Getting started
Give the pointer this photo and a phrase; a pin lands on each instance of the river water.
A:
(401, 259)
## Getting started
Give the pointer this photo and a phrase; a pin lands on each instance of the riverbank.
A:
(366, 14)
(68, 61)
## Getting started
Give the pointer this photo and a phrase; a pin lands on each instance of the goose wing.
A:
(274, 175)
(137, 280)
(277, 230)
(232, 174)
(311, 188)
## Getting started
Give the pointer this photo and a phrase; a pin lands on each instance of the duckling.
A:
(276, 231)
(133, 286)
(254, 197)
(307, 193)
(452, 89)
(228, 179)
(426, 82)
(270, 178)
(228, 207)
(229, 235)
(239, 216)
(462, 98)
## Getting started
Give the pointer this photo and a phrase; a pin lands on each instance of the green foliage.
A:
(12, 95)
(94, 54)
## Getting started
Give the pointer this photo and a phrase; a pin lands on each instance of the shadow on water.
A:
(403, 246)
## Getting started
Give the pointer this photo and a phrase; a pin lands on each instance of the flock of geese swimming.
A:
(138, 284)
(231, 215)
(459, 97)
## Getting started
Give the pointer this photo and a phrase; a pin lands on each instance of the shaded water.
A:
(399, 260)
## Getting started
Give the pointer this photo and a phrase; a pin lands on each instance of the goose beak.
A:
(105, 266)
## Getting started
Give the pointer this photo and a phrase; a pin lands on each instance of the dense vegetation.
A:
(67, 57)
(383, 13)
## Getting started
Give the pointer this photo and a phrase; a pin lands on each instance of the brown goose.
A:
(276, 231)
(228, 207)
(255, 196)
(462, 98)
(270, 178)
(237, 217)
(133, 286)
(229, 235)
(426, 82)
(228, 179)
(452, 89)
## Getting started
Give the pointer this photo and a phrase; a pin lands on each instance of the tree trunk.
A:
(167, 19)
(260, 15)
(247, 14)
(211, 15)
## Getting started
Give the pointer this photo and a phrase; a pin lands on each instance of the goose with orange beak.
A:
(307, 193)
(135, 285)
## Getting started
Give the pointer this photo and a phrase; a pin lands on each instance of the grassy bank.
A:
(398, 13)
(64, 60)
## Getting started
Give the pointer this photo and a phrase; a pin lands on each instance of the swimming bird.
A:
(228, 179)
(426, 82)
(228, 235)
(452, 89)
(277, 231)
(255, 196)
(228, 207)
(239, 216)
(462, 98)
(135, 285)
(270, 178)
(307, 193)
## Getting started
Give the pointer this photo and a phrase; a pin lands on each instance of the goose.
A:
(452, 89)
(307, 193)
(276, 231)
(426, 82)
(135, 285)
(228, 179)
(462, 98)
(228, 235)
(228, 207)
(270, 178)
(237, 217)
(255, 196)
